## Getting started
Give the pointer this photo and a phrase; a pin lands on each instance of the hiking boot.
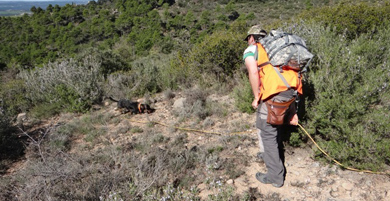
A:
(263, 179)
(260, 156)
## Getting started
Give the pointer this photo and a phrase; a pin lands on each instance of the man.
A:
(254, 35)
(267, 85)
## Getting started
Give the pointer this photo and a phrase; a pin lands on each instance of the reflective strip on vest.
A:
(270, 82)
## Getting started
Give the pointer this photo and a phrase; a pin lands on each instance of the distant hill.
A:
(14, 8)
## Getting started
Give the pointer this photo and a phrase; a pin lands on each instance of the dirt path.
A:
(306, 178)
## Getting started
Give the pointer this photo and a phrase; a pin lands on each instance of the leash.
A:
(337, 162)
(190, 129)
(243, 132)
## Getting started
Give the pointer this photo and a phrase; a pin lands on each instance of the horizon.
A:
(18, 7)
(43, 0)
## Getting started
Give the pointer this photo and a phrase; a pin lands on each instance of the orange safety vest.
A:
(270, 82)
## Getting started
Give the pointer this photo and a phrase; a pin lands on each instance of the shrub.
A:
(212, 61)
(348, 101)
(119, 85)
(110, 62)
(178, 73)
(243, 94)
(148, 75)
(71, 85)
(353, 20)
(195, 104)
(11, 147)
(12, 95)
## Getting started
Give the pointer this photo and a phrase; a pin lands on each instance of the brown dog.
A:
(133, 107)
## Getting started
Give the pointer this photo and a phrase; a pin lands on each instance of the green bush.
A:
(5, 125)
(214, 60)
(243, 95)
(119, 85)
(353, 20)
(348, 103)
(178, 73)
(110, 61)
(12, 95)
(11, 147)
(149, 74)
(71, 85)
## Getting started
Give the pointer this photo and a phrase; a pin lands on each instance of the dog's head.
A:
(145, 108)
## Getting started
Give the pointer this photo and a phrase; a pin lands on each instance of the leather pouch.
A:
(278, 112)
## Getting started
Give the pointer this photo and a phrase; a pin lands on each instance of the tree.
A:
(33, 9)
(49, 8)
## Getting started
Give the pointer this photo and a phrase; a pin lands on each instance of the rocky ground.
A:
(307, 179)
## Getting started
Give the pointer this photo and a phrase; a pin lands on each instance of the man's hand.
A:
(254, 79)
(294, 120)
(255, 103)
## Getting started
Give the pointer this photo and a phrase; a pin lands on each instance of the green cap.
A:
(255, 30)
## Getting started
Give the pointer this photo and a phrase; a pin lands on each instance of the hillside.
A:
(61, 139)
(129, 156)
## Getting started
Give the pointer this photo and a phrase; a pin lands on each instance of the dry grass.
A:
(96, 156)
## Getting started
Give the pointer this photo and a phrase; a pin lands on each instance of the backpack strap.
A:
(257, 55)
(264, 64)
(295, 95)
(275, 68)
(257, 52)
(281, 77)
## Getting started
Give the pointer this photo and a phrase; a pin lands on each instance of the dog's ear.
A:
(149, 109)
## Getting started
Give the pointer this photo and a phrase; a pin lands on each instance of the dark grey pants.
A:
(272, 140)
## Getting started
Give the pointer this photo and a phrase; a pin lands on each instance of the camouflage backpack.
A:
(286, 51)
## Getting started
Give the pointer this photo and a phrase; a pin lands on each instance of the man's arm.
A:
(251, 65)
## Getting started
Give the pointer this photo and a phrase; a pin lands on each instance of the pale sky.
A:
(45, 0)
(27, 0)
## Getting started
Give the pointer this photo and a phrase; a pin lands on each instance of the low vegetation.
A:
(194, 47)
(148, 165)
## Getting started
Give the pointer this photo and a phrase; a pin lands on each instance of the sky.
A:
(41, 0)
(25, 0)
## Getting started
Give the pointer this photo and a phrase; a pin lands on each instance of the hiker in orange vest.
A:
(254, 34)
(267, 85)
